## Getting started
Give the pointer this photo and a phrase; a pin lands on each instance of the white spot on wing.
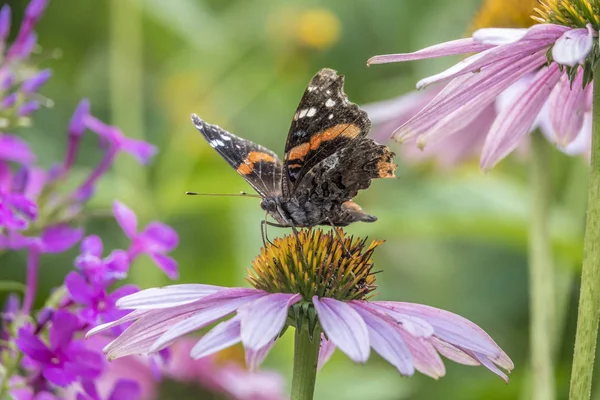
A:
(303, 113)
(216, 143)
(311, 88)
(311, 112)
(330, 116)
(329, 103)
(328, 91)
(226, 138)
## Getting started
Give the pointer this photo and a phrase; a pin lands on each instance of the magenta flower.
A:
(96, 304)
(13, 148)
(505, 56)
(64, 359)
(155, 240)
(33, 84)
(97, 269)
(409, 336)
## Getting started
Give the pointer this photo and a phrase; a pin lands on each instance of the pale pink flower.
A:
(504, 57)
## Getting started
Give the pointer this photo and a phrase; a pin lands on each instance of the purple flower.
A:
(4, 23)
(155, 240)
(13, 148)
(26, 38)
(16, 206)
(98, 304)
(28, 108)
(114, 140)
(140, 150)
(505, 56)
(9, 101)
(34, 83)
(97, 269)
(64, 359)
(123, 389)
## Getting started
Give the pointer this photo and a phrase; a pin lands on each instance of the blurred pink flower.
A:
(503, 57)
(220, 376)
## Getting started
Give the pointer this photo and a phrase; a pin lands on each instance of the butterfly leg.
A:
(339, 237)
(263, 231)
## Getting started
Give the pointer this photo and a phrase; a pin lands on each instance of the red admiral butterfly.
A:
(328, 159)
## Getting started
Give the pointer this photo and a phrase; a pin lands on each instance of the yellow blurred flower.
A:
(505, 14)
(318, 28)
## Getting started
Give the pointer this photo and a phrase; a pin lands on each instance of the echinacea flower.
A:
(155, 240)
(64, 359)
(326, 287)
(560, 58)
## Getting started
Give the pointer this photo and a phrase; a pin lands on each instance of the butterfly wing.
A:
(261, 168)
(324, 122)
(337, 179)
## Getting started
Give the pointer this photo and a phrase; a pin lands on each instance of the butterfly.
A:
(328, 159)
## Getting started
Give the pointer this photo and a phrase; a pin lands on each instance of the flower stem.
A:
(33, 262)
(541, 274)
(306, 356)
(589, 297)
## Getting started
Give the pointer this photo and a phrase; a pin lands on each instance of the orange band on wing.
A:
(253, 157)
(298, 152)
(345, 130)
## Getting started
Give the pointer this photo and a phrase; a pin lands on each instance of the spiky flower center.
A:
(504, 14)
(316, 263)
(572, 13)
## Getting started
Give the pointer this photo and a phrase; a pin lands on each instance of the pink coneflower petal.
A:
(498, 56)
(454, 47)
(453, 353)
(254, 358)
(534, 39)
(264, 318)
(490, 365)
(222, 336)
(449, 327)
(210, 309)
(385, 338)
(546, 33)
(573, 46)
(514, 123)
(132, 316)
(566, 108)
(169, 296)
(468, 92)
(425, 357)
(326, 350)
(499, 36)
(344, 327)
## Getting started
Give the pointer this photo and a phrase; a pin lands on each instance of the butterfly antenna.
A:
(241, 194)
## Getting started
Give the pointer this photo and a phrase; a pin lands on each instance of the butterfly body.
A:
(328, 159)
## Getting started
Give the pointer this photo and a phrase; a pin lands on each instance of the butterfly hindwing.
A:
(324, 122)
(339, 177)
(261, 168)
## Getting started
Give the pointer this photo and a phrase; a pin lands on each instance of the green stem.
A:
(541, 274)
(306, 356)
(589, 297)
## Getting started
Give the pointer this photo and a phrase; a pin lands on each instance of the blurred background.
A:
(456, 238)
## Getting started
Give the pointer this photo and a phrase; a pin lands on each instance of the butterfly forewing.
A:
(324, 122)
(261, 168)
